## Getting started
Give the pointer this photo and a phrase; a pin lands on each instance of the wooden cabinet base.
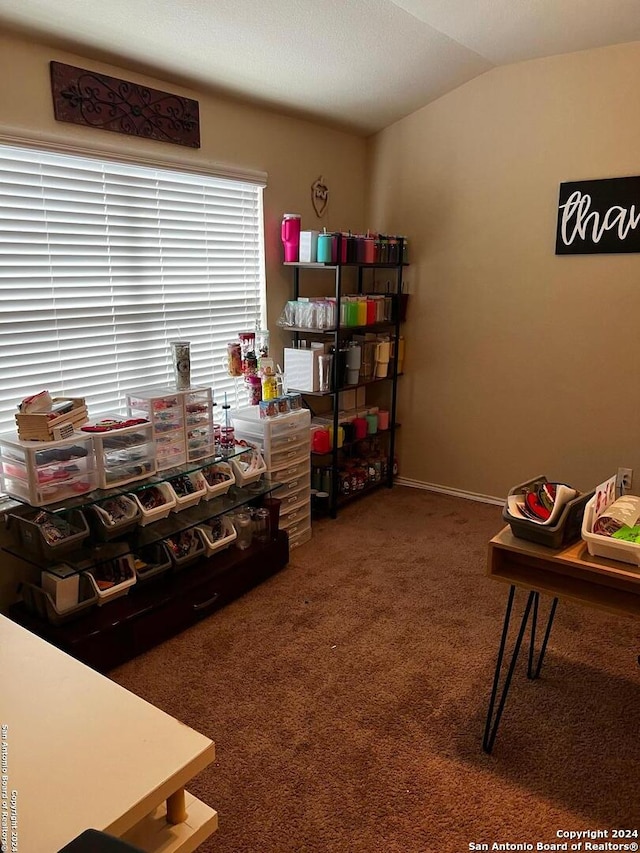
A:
(161, 607)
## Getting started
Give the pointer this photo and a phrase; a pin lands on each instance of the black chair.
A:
(94, 841)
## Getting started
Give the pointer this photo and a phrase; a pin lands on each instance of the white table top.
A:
(81, 751)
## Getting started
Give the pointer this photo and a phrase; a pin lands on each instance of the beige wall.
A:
(292, 152)
(518, 362)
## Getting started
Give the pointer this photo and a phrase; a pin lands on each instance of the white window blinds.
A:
(102, 264)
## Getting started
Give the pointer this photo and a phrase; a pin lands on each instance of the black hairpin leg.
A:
(533, 669)
(493, 720)
(531, 672)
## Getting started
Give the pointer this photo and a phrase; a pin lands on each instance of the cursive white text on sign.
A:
(578, 221)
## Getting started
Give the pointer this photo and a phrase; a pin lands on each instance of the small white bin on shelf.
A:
(113, 517)
(219, 478)
(607, 546)
(188, 489)
(185, 547)
(112, 579)
(218, 534)
(155, 502)
(248, 467)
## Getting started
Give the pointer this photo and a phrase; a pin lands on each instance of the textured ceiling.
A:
(358, 64)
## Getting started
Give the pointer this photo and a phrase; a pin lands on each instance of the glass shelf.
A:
(98, 495)
(343, 330)
(89, 554)
(344, 387)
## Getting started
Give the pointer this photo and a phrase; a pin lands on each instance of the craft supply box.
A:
(45, 472)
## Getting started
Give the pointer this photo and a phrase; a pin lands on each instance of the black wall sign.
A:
(599, 217)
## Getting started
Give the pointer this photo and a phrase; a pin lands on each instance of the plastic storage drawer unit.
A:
(198, 421)
(164, 407)
(124, 454)
(113, 517)
(45, 472)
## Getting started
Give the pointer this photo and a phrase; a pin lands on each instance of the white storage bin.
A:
(185, 547)
(45, 472)
(113, 517)
(119, 573)
(218, 534)
(248, 467)
(188, 489)
(155, 502)
(219, 478)
(124, 454)
(606, 546)
(275, 435)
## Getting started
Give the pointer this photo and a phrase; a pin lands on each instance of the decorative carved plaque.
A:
(96, 100)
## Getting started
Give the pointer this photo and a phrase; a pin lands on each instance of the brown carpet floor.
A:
(347, 697)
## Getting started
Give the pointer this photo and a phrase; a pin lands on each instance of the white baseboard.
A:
(444, 490)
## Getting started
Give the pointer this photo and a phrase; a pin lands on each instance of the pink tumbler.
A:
(290, 233)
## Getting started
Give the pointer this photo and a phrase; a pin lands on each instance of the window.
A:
(103, 263)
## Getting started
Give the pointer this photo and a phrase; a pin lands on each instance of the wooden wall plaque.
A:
(108, 103)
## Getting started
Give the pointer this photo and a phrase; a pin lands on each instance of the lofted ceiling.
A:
(356, 64)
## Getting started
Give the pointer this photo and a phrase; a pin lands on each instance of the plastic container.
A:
(41, 603)
(219, 479)
(33, 526)
(113, 517)
(607, 546)
(567, 528)
(45, 472)
(248, 467)
(188, 490)
(164, 407)
(185, 547)
(151, 561)
(227, 535)
(122, 569)
(124, 454)
(198, 420)
(155, 502)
